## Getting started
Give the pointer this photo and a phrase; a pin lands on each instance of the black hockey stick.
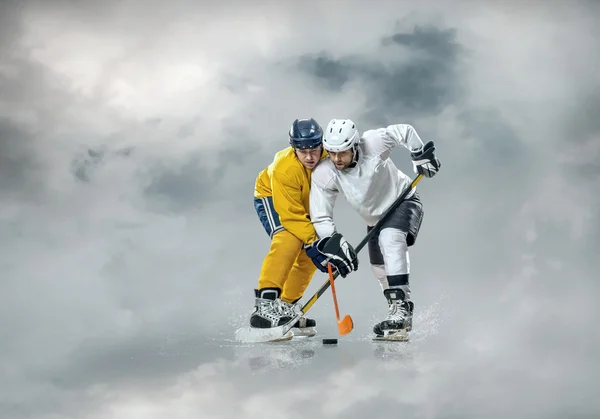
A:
(362, 244)
(249, 334)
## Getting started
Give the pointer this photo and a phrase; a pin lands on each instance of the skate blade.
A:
(393, 336)
(256, 335)
(304, 332)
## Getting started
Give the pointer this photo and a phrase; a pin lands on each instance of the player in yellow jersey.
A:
(281, 200)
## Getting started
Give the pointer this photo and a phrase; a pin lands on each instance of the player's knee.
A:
(285, 245)
(393, 240)
(395, 251)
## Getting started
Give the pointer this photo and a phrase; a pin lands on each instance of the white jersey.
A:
(371, 186)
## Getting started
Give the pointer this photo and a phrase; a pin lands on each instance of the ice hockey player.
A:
(281, 198)
(361, 168)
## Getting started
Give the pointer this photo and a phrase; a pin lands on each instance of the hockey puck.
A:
(329, 341)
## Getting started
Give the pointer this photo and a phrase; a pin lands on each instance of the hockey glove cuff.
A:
(424, 162)
(335, 250)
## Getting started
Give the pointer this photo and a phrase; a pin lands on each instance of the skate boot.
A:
(268, 311)
(399, 319)
(304, 326)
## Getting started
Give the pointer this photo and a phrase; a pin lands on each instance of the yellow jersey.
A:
(287, 181)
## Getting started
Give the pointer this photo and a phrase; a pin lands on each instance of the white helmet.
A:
(340, 135)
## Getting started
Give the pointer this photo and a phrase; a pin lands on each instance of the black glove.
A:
(335, 250)
(424, 162)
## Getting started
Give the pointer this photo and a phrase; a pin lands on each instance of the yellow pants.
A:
(286, 267)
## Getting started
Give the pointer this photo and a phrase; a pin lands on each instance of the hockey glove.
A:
(424, 162)
(335, 250)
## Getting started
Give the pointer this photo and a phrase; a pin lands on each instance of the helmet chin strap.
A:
(355, 152)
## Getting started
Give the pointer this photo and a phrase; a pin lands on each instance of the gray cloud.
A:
(418, 76)
(18, 165)
(130, 247)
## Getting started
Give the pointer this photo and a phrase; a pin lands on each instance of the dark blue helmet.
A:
(306, 133)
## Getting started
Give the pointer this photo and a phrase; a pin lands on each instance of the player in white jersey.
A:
(360, 168)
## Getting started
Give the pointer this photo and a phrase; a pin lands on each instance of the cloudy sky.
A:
(130, 136)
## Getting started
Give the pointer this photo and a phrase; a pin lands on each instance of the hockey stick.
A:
(248, 334)
(346, 325)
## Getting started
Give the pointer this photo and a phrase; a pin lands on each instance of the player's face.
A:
(309, 157)
(341, 159)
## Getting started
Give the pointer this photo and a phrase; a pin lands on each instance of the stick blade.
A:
(345, 325)
(256, 335)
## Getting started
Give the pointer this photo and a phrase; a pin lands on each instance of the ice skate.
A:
(304, 326)
(267, 319)
(399, 319)
(268, 310)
